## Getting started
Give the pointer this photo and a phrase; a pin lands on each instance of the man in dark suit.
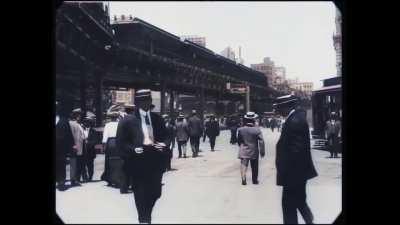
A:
(212, 131)
(233, 125)
(195, 127)
(170, 140)
(293, 160)
(140, 138)
(64, 140)
(332, 134)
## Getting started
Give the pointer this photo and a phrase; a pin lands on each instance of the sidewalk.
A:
(207, 189)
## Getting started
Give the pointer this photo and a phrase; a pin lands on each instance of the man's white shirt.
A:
(110, 130)
(147, 129)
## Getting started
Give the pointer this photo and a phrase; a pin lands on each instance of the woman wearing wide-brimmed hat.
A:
(251, 144)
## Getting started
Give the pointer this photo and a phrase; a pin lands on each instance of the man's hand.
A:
(139, 150)
(262, 155)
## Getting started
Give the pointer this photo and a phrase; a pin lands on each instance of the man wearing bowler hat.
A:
(294, 164)
(141, 137)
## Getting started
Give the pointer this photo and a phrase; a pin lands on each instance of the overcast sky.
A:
(296, 35)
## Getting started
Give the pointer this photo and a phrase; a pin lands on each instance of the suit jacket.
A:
(130, 136)
(294, 164)
(64, 138)
(195, 126)
(182, 131)
(212, 128)
(333, 129)
(79, 137)
(251, 142)
(90, 143)
(171, 133)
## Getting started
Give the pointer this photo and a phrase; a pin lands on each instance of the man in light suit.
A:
(76, 159)
(294, 164)
(141, 140)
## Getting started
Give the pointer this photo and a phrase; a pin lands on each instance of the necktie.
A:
(146, 118)
(149, 128)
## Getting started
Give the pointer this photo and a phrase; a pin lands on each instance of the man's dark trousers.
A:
(195, 142)
(147, 185)
(145, 197)
(60, 169)
(212, 141)
(333, 147)
(254, 169)
(89, 163)
(293, 198)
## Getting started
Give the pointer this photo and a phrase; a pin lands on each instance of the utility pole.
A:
(247, 97)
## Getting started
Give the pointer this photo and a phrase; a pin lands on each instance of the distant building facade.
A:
(267, 67)
(305, 87)
(229, 53)
(337, 42)
(195, 39)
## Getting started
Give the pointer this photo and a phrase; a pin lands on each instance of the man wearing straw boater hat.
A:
(140, 138)
(294, 164)
(251, 145)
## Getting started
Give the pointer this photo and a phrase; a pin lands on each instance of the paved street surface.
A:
(208, 189)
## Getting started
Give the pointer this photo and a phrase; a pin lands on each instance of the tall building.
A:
(195, 39)
(306, 87)
(337, 42)
(239, 58)
(229, 53)
(280, 73)
(267, 68)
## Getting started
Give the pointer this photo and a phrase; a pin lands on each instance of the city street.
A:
(208, 189)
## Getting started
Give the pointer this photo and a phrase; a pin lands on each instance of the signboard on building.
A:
(123, 96)
(236, 88)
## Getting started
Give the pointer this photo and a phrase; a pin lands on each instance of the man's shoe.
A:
(75, 184)
(124, 191)
(255, 182)
(244, 182)
(62, 187)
